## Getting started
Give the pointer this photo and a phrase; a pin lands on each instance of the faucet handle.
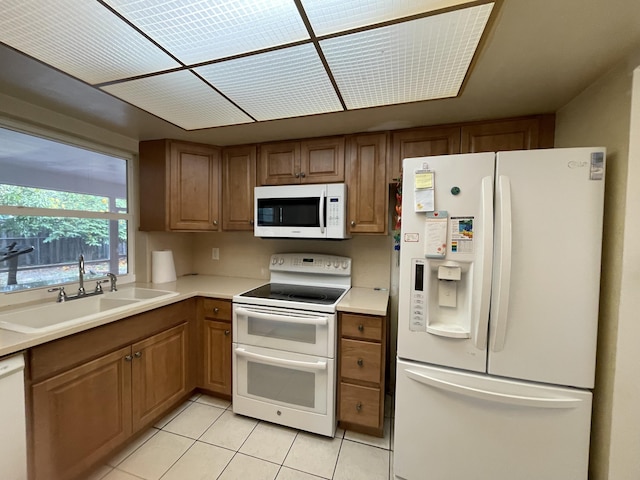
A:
(62, 295)
(98, 288)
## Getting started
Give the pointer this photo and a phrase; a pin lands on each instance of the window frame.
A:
(129, 216)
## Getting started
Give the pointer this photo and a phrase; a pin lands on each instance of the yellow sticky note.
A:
(424, 180)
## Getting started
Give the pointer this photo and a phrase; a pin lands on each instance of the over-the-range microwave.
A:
(301, 211)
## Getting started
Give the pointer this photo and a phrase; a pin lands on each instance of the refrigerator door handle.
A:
(481, 322)
(510, 399)
(501, 306)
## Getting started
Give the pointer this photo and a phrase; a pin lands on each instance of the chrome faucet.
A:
(81, 272)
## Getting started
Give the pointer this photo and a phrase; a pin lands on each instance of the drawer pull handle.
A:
(359, 406)
(227, 332)
(216, 310)
(360, 362)
(128, 358)
(137, 354)
(361, 328)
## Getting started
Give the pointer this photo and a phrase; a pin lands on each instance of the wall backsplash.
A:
(243, 255)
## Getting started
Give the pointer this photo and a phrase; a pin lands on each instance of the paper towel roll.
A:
(163, 269)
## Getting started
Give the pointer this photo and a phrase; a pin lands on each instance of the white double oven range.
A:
(284, 342)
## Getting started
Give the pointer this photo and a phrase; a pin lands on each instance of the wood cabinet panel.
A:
(360, 360)
(322, 160)
(80, 416)
(367, 183)
(360, 405)
(217, 309)
(421, 142)
(217, 358)
(238, 182)
(179, 185)
(513, 134)
(279, 163)
(361, 327)
(160, 377)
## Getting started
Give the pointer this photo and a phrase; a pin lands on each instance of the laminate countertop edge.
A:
(358, 300)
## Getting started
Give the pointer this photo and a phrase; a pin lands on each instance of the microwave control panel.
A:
(334, 208)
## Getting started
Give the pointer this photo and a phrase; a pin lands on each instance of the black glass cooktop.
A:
(297, 293)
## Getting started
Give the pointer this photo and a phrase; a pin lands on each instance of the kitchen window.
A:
(60, 199)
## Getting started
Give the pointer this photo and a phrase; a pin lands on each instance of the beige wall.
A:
(243, 255)
(601, 116)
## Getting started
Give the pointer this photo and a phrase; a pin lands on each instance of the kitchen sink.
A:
(55, 316)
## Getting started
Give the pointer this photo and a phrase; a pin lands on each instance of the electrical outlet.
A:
(215, 254)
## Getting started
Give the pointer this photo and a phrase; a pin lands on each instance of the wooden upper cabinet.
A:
(515, 134)
(367, 183)
(238, 181)
(421, 142)
(179, 186)
(318, 160)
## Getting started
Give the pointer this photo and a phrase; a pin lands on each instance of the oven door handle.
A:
(319, 365)
(282, 318)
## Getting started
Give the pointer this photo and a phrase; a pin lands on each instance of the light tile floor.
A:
(204, 439)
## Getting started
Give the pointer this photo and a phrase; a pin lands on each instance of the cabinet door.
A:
(279, 163)
(421, 142)
(195, 187)
(81, 415)
(160, 376)
(367, 183)
(322, 160)
(238, 181)
(517, 134)
(217, 356)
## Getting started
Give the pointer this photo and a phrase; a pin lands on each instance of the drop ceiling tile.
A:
(331, 16)
(180, 98)
(200, 30)
(417, 60)
(283, 83)
(81, 38)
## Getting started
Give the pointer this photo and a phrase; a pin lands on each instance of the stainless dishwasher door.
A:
(13, 441)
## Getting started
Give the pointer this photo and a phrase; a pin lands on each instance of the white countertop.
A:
(358, 300)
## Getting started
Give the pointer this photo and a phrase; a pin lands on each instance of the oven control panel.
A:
(310, 263)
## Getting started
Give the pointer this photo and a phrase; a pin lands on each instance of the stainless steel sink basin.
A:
(54, 316)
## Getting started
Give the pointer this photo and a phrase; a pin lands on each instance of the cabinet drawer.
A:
(217, 309)
(361, 326)
(360, 360)
(360, 405)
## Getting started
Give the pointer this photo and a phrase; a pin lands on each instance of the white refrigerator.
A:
(497, 314)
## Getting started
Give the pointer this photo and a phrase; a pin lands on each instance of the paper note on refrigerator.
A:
(423, 181)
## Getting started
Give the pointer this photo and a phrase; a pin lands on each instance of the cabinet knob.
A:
(137, 354)
(216, 310)
(359, 406)
(353, 223)
(360, 362)
(297, 175)
(227, 332)
(128, 358)
(215, 222)
(361, 328)
(250, 222)
(302, 174)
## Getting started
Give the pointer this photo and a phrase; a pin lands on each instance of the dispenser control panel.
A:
(418, 301)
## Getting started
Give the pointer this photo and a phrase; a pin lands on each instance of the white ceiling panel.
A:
(81, 38)
(279, 84)
(331, 16)
(417, 60)
(180, 98)
(202, 30)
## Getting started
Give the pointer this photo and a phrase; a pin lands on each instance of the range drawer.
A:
(360, 360)
(217, 309)
(361, 327)
(360, 405)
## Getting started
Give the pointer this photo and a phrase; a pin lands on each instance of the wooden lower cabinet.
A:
(362, 372)
(83, 412)
(216, 345)
(81, 415)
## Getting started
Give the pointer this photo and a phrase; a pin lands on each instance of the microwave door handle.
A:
(322, 200)
(282, 318)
